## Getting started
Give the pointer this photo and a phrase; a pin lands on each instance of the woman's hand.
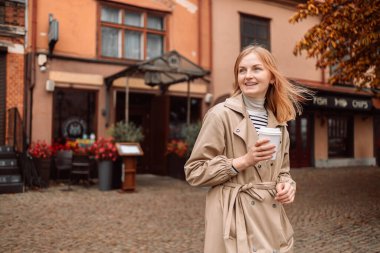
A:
(285, 193)
(261, 151)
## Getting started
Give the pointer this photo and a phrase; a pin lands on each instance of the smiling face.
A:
(253, 77)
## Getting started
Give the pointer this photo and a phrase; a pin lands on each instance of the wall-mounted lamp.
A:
(42, 61)
(208, 98)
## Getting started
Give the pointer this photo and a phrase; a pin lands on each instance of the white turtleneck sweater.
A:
(256, 111)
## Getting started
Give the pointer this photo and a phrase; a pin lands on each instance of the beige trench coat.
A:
(241, 213)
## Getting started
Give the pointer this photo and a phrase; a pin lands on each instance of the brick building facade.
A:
(12, 61)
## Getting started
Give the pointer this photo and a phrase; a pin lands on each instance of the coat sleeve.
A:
(207, 165)
(284, 175)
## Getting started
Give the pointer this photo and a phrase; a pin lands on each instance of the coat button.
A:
(271, 164)
(274, 205)
(259, 166)
(237, 130)
(274, 251)
(252, 202)
(254, 249)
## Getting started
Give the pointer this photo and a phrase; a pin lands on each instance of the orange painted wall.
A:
(226, 40)
(77, 26)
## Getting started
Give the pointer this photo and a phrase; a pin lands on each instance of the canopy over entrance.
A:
(168, 69)
(162, 71)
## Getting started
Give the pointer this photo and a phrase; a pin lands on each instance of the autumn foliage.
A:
(346, 39)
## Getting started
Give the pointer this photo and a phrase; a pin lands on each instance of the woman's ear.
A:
(272, 80)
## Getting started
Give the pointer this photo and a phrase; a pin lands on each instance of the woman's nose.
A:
(249, 74)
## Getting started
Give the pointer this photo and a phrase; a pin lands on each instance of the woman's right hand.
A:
(261, 151)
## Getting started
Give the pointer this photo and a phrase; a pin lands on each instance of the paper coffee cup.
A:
(273, 135)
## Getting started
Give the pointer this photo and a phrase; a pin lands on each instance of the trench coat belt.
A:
(234, 200)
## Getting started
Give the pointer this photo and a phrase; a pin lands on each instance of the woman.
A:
(244, 206)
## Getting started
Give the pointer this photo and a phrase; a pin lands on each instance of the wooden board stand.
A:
(129, 152)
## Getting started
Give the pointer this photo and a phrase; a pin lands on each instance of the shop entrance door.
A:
(300, 133)
(147, 111)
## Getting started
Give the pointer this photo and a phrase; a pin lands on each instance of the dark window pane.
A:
(340, 132)
(74, 113)
(254, 30)
(178, 114)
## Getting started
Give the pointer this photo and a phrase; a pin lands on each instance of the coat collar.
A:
(236, 104)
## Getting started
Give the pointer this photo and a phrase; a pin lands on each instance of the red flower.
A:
(178, 147)
(104, 149)
(40, 149)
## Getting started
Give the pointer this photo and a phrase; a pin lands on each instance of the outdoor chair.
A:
(63, 162)
(81, 168)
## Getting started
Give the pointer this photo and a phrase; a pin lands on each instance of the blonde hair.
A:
(282, 98)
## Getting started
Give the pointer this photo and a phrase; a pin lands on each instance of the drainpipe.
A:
(26, 79)
(32, 68)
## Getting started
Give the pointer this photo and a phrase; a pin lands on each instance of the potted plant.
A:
(105, 152)
(179, 149)
(41, 153)
(126, 132)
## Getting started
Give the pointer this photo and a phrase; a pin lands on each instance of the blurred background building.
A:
(12, 64)
(72, 46)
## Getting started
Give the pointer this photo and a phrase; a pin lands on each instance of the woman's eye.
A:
(242, 71)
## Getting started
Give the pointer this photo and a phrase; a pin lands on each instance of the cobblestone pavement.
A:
(336, 210)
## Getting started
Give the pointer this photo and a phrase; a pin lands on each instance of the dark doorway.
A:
(300, 133)
(141, 113)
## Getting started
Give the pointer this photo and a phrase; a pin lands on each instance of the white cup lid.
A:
(269, 131)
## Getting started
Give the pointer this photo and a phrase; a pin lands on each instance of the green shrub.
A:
(190, 133)
(126, 132)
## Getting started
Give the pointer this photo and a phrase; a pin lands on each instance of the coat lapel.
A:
(246, 131)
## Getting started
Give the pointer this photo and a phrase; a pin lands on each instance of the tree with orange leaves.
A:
(347, 39)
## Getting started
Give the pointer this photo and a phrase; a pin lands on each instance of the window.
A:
(340, 136)
(178, 114)
(131, 34)
(254, 30)
(74, 114)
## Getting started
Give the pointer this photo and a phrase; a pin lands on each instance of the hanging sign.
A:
(360, 104)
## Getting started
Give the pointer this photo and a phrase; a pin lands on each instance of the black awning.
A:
(165, 70)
